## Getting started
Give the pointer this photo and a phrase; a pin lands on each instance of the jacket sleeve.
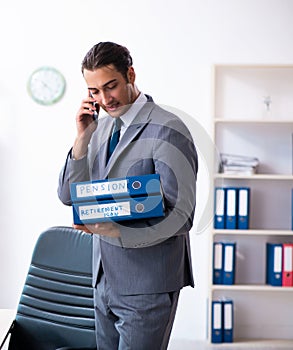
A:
(175, 159)
(72, 171)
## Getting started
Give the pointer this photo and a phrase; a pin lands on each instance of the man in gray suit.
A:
(139, 266)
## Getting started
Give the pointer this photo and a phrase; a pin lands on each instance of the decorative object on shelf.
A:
(46, 85)
(267, 101)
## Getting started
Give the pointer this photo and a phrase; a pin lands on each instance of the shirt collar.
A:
(136, 106)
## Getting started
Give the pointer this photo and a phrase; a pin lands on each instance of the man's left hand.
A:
(108, 229)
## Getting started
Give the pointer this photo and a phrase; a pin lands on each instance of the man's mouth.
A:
(112, 107)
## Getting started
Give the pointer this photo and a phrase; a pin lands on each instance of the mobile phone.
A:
(96, 112)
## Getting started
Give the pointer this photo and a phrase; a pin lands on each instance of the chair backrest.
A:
(56, 306)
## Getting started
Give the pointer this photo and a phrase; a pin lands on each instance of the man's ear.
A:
(131, 75)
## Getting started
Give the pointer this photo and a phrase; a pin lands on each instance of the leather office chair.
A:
(56, 309)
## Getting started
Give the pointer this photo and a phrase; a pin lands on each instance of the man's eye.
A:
(110, 87)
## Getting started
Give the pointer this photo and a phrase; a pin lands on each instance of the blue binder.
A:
(231, 208)
(229, 257)
(217, 262)
(228, 321)
(219, 208)
(274, 264)
(118, 210)
(243, 208)
(217, 322)
(131, 186)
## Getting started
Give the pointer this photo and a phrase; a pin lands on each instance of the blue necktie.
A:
(115, 137)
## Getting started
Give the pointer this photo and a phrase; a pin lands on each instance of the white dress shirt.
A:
(128, 117)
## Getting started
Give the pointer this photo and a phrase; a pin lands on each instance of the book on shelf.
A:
(117, 199)
(224, 261)
(231, 164)
(222, 321)
(220, 207)
(287, 265)
(231, 208)
(279, 264)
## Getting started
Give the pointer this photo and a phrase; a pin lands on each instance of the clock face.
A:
(46, 85)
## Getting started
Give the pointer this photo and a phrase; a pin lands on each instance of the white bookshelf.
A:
(244, 126)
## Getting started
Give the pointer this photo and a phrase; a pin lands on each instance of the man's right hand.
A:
(85, 126)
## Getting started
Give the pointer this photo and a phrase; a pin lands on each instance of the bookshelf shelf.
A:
(251, 288)
(267, 177)
(254, 121)
(252, 232)
(256, 344)
(253, 117)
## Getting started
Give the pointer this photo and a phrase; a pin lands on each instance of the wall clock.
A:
(46, 85)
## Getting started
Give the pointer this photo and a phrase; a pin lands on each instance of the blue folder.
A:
(229, 257)
(231, 208)
(219, 208)
(217, 262)
(228, 321)
(131, 186)
(243, 208)
(118, 210)
(274, 264)
(217, 322)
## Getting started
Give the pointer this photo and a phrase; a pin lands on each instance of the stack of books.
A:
(117, 199)
(222, 321)
(231, 164)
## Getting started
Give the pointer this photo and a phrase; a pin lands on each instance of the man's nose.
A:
(105, 97)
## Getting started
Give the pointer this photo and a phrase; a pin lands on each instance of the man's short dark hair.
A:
(106, 53)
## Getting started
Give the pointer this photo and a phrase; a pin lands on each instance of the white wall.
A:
(173, 43)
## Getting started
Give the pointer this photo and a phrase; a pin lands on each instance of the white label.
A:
(243, 202)
(101, 188)
(228, 316)
(288, 259)
(231, 202)
(217, 316)
(228, 258)
(108, 210)
(278, 259)
(220, 202)
(218, 256)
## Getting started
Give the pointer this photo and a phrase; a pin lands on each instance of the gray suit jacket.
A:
(152, 256)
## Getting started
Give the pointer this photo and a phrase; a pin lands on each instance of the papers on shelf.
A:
(236, 164)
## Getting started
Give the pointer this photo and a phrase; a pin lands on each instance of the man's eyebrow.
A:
(105, 85)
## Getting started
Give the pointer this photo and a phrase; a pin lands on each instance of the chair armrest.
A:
(7, 334)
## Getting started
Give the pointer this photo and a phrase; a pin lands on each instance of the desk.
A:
(6, 318)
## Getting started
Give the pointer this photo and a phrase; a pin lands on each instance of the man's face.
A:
(110, 89)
